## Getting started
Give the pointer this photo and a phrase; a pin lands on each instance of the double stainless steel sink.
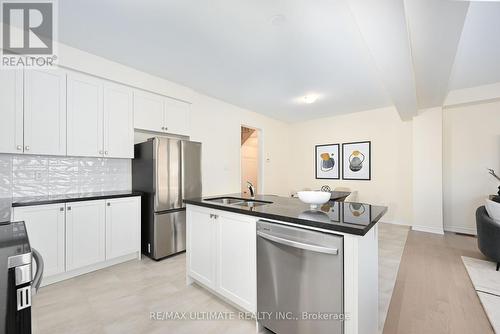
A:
(250, 203)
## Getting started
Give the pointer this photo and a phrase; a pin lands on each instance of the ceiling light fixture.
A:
(277, 20)
(310, 98)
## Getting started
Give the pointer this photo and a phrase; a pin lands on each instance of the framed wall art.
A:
(356, 161)
(328, 161)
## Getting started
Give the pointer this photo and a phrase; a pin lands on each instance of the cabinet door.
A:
(201, 247)
(85, 233)
(236, 260)
(45, 226)
(123, 223)
(85, 116)
(148, 111)
(11, 111)
(45, 112)
(177, 117)
(118, 121)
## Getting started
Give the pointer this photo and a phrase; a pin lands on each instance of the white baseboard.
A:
(393, 222)
(85, 270)
(460, 229)
(435, 230)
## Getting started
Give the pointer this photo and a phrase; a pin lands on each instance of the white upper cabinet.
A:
(154, 112)
(148, 111)
(118, 121)
(100, 118)
(11, 111)
(177, 117)
(45, 112)
(85, 116)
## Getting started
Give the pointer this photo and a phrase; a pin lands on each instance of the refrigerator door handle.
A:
(156, 181)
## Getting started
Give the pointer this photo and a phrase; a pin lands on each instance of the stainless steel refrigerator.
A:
(166, 170)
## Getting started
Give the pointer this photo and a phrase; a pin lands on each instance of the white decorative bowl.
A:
(314, 198)
(493, 209)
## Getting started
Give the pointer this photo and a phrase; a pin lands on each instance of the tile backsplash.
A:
(32, 175)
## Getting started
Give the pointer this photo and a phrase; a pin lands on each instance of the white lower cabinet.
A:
(221, 253)
(78, 237)
(85, 233)
(122, 229)
(201, 247)
(45, 225)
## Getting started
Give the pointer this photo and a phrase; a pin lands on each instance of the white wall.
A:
(215, 123)
(218, 126)
(471, 144)
(428, 170)
(391, 139)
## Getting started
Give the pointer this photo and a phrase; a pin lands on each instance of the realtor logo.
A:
(28, 33)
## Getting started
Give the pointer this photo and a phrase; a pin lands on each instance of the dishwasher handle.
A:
(296, 244)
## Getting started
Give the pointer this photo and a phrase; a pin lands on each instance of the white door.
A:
(201, 247)
(85, 116)
(148, 111)
(85, 233)
(123, 223)
(11, 111)
(177, 117)
(236, 260)
(118, 121)
(45, 226)
(45, 112)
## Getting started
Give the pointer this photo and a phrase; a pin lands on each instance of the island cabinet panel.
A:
(236, 258)
(221, 254)
(85, 233)
(201, 246)
(45, 225)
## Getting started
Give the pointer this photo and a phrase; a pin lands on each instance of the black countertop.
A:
(352, 218)
(76, 197)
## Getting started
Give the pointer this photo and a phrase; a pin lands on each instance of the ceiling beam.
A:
(435, 28)
(383, 27)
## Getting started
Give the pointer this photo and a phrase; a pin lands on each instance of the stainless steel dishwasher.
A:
(299, 280)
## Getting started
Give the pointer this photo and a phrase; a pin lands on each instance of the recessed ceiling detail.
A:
(262, 55)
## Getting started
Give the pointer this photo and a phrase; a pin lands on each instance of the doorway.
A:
(250, 159)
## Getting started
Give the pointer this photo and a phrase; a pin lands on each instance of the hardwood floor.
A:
(433, 293)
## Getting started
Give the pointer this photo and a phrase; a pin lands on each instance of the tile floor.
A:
(120, 299)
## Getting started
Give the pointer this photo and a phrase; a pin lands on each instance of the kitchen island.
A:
(222, 250)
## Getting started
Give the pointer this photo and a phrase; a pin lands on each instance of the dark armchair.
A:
(488, 235)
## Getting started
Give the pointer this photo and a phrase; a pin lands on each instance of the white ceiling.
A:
(355, 54)
(478, 57)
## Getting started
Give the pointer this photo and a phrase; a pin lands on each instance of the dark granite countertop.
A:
(352, 218)
(76, 197)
